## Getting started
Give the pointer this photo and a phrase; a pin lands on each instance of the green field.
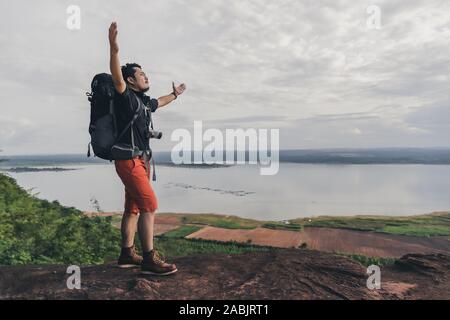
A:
(172, 247)
(435, 224)
(282, 226)
(181, 232)
(220, 221)
(178, 247)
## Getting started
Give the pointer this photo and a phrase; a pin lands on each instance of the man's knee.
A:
(130, 214)
(148, 206)
(148, 212)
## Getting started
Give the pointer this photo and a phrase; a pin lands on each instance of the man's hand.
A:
(113, 37)
(165, 100)
(178, 90)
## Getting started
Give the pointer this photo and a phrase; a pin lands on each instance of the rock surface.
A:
(279, 274)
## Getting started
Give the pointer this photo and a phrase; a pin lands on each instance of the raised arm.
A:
(114, 64)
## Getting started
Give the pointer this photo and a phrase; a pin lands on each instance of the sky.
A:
(326, 73)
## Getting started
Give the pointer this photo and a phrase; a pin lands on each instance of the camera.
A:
(153, 134)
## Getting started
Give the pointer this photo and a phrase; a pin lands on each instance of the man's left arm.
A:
(165, 100)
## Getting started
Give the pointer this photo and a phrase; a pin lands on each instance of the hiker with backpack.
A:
(120, 120)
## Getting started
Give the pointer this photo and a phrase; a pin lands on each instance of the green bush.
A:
(35, 231)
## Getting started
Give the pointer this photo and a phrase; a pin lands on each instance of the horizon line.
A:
(299, 149)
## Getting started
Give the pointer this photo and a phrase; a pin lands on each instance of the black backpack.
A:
(103, 124)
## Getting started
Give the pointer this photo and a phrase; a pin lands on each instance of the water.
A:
(298, 190)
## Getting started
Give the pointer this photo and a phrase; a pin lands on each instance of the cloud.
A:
(434, 121)
(16, 131)
(356, 131)
(310, 68)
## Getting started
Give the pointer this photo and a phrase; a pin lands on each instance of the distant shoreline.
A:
(33, 169)
(431, 156)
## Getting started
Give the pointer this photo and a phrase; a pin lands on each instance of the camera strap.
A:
(152, 158)
(149, 114)
(148, 155)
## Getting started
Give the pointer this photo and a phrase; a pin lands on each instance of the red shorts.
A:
(139, 194)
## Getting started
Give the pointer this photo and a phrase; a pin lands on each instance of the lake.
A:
(298, 190)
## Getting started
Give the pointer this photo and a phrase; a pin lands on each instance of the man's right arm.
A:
(114, 64)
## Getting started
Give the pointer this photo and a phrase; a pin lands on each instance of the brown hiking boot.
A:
(129, 258)
(153, 264)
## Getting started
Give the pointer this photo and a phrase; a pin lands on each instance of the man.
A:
(131, 83)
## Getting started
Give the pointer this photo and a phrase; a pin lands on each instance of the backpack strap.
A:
(112, 113)
(154, 171)
(152, 158)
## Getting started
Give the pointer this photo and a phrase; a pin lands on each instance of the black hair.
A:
(128, 70)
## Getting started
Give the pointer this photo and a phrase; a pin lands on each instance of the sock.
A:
(127, 251)
(147, 255)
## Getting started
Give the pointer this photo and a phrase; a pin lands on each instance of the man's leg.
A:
(128, 257)
(128, 229)
(146, 222)
(129, 221)
(152, 262)
(146, 230)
